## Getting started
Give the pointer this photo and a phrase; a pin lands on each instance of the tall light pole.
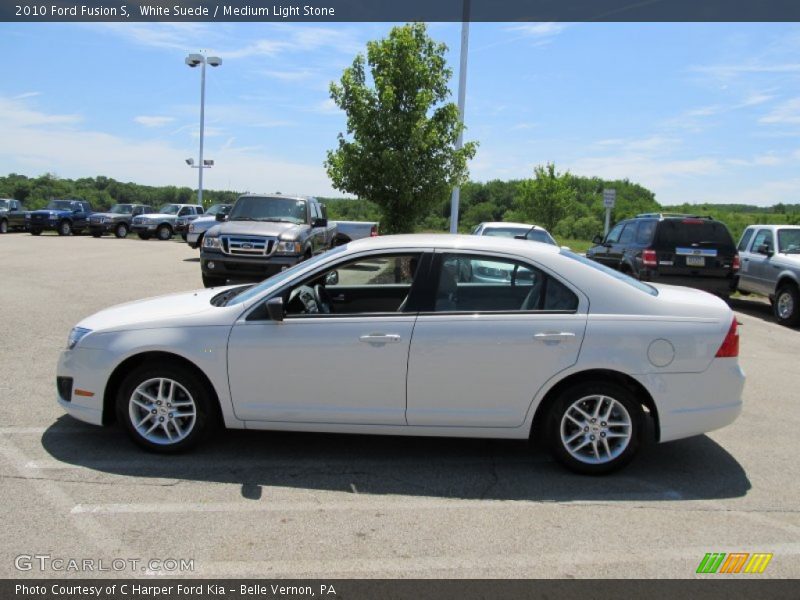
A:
(462, 92)
(194, 60)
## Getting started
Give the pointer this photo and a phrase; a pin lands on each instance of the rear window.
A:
(648, 289)
(685, 232)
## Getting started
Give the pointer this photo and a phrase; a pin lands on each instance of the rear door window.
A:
(629, 233)
(614, 234)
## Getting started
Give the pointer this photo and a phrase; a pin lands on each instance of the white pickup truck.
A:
(348, 231)
(770, 265)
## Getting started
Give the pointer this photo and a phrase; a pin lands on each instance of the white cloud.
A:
(786, 113)
(539, 30)
(153, 121)
(19, 113)
(26, 95)
(289, 75)
(326, 107)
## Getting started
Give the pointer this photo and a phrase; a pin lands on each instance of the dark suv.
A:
(688, 250)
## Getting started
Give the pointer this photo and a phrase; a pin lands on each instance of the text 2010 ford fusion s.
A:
(419, 335)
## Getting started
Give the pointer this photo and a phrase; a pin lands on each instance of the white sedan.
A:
(394, 335)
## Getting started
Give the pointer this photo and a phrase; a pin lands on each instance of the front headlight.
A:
(211, 242)
(27, 216)
(289, 248)
(191, 227)
(76, 335)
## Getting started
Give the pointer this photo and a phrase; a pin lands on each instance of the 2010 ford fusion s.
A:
(431, 335)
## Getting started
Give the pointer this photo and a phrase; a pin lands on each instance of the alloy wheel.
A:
(596, 429)
(162, 411)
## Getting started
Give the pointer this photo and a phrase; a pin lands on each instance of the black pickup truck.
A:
(13, 217)
(263, 235)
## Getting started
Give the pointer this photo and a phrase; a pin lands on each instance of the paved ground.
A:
(261, 504)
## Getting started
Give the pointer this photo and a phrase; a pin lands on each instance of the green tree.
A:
(546, 198)
(401, 132)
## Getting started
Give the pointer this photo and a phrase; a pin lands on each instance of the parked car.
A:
(118, 220)
(533, 233)
(162, 223)
(348, 231)
(772, 269)
(64, 216)
(169, 369)
(676, 249)
(13, 216)
(183, 223)
(263, 235)
(198, 227)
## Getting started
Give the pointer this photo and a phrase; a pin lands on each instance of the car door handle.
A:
(554, 336)
(380, 338)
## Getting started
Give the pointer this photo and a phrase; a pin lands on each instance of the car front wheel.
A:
(64, 228)
(595, 427)
(121, 231)
(3, 226)
(164, 233)
(143, 236)
(787, 305)
(165, 408)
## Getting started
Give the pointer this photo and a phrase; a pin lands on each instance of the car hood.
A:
(109, 215)
(172, 310)
(157, 216)
(267, 228)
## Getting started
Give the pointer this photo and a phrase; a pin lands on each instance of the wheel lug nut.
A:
(603, 424)
(154, 411)
(586, 429)
(603, 435)
(591, 437)
(158, 402)
(594, 420)
(170, 415)
(160, 419)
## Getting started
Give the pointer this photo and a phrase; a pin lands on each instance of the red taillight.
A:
(649, 258)
(374, 231)
(736, 262)
(730, 345)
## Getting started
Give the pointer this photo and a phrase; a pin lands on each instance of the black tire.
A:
(184, 236)
(143, 235)
(36, 232)
(581, 391)
(786, 306)
(200, 242)
(211, 281)
(64, 228)
(121, 231)
(96, 234)
(3, 226)
(206, 409)
(164, 233)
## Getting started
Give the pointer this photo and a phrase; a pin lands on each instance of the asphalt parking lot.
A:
(307, 505)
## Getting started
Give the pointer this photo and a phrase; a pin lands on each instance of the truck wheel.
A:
(64, 228)
(3, 226)
(121, 231)
(184, 236)
(165, 407)
(211, 281)
(787, 305)
(36, 232)
(143, 235)
(164, 232)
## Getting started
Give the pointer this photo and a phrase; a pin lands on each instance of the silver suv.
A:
(770, 256)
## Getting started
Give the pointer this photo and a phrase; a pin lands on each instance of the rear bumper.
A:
(690, 404)
(715, 285)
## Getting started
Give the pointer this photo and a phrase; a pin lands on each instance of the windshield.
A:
(218, 208)
(507, 232)
(5, 204)
(169, 209)
(279, 278)
(789, 241)
(59, 205)
(540, 235)
(612, 272)
(122, 209)
(269, 208)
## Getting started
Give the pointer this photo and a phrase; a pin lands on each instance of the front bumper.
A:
(143, 227)
(192, 238)
(218, 264)
(44, 225)
(691, 404)
(101, 227)
(88, 369)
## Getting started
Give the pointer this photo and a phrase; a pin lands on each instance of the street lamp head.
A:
(214, 61)
(190, 161)
(194, 60)
(208, 162)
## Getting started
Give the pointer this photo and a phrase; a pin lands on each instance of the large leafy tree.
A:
(399, 151)
(547, 198)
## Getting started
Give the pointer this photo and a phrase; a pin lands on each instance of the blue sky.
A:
(695, 112)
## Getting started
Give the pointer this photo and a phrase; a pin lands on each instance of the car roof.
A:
(274, 195)
(509, 224)
(448, 241)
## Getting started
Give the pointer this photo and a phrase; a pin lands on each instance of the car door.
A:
(484, 349)
(16, 216)
(760, 270)
(616, 250)
(600, 253)
(346, 366)
(746, 281)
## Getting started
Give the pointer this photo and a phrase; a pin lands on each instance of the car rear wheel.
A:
(787, 305)
(164, 232)
(64, 228)
(165, 408)
(121, 231)
(36, 232)
(143, 236)
(595, 427)
(3, 226)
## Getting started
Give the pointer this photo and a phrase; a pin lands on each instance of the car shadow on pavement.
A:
(696, 468)
(194, 260)
(754, 306)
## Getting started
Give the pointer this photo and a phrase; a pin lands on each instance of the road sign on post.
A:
(609, 200)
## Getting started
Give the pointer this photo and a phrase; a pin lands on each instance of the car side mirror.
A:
(597, 240)
(275, 308)
(221, 217)
(765, 250)
(319, 222)
(332, 278)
